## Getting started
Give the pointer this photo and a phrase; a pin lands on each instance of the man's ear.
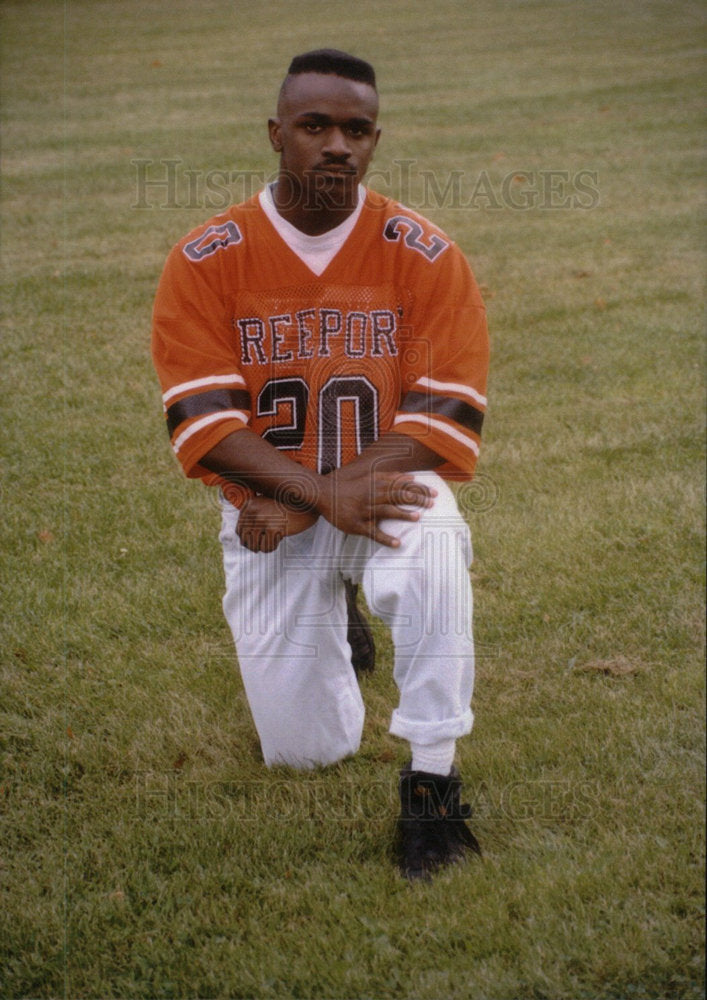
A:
(274, 130)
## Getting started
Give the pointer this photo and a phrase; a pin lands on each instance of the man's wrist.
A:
(324, 500)
(301, 493)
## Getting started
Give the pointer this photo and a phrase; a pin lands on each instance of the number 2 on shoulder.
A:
(413, 235)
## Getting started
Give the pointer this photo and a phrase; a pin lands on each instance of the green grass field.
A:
(145, 851)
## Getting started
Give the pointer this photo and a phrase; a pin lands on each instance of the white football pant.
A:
(287, 612)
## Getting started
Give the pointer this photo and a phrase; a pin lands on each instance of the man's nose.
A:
(337, 143)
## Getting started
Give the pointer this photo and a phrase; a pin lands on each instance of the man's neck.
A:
(316, 212)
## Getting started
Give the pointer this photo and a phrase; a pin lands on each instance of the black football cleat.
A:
(432, 829)
(359, 635)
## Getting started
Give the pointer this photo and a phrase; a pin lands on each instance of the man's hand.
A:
(263, 523)
(356, 500)
(375, 486)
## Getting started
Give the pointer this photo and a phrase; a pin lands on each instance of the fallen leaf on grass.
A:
(619, 666)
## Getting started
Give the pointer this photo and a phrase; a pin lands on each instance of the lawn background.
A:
(145, 850)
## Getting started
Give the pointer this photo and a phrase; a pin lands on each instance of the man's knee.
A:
(441, 531)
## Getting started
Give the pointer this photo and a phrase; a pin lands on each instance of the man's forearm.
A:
(246, 458)
(391, 453)
(375, 486)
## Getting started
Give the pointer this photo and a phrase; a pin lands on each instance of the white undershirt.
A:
(316, 252)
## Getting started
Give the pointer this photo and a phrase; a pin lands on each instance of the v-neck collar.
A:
(305, 248)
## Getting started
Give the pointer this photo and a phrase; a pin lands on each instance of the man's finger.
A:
(385, 539)
(394, 513)
(409, 491)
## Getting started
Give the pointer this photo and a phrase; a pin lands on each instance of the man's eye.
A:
(313, 127)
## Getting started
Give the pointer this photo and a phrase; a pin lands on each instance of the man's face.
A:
(325, 133)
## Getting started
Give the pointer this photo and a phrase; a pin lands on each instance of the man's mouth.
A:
(335, 169)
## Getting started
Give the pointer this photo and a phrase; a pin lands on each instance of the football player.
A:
(323, 355)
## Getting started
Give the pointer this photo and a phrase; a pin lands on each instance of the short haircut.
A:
(335, 62)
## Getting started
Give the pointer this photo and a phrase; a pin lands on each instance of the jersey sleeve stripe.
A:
(438, 425)
(454, 409)
(203, 403)
(200, 383)
(456, 388)
(199, 425)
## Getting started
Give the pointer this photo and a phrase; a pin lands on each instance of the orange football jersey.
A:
(391, 336)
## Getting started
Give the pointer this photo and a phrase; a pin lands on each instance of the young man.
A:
(323, 353)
